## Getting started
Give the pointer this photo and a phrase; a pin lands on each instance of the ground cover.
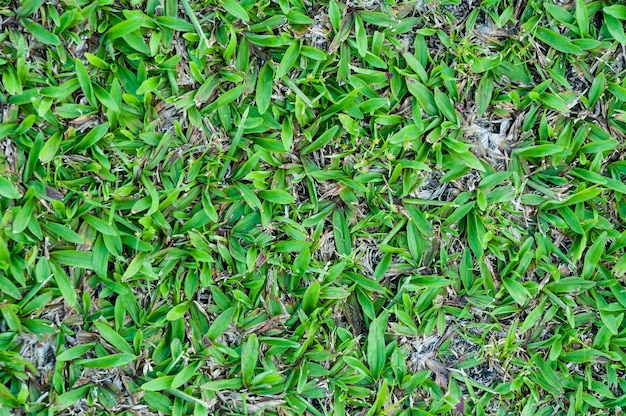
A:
(312, 207)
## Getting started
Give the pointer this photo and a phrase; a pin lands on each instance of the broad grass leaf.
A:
(208, 207)
(343, 239)
(460, 212)
(301, 262)
(8, 190)
(206, 90)
(599, 146)
(344, 103)
(583, 355)
(572, 220)
(7, 129)
(8, 311)
(618, 91)
(24, 216)
(493, 179)
(248, 195)
(157, 401)
(100, 257)
(50, 148)
(291, 246)
(615, 28)
(554, 101)
(64, 284)
(113, 337)
(541, 150)
(611, 321)
(174, 23)
(578, 197)
(551, 379)
(26, 124)
(364, 282)
(334, 14)
(228, 384)
(75, 352)
(582, 18)
(221, 323)
(321, 141)
(249, 357)
(445, 105)
(517, 291)
(28, 7)
(136, 41)
(158, 384)
(64, 232)
(366, 304)
(178, 311)
(41, 34)
(361, 36)
(8, 287)
(108, 361)
(382, 267)
(533, 317)
(416, 66)
(73, 258)
(557, 41)
(619, 269)
(186, 374)
(124, 27)
(105, 98)
(423, 95)
(311, 297)
(289, 59)
(570, 285)
(376, 356)
(72, 396)
(559, 13)
(264, 88)
(593, 256)
(100, 225)
(233, 7)
(230, 96)
(484, 92)
(271, 41)
(149, 85)
(618, 11)
(85, 82)
(313, 53)
(152, 193)
(277, 196)
(93, 136)
(429, 281)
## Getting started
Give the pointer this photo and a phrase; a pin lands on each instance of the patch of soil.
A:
(576, 79)
(462, 10)
(364, 4)
(421, 354)
(41, 354)
(462, 348)
(369, 254)
(326, 251)
(491, 139)
(432, 188)
(318, 33)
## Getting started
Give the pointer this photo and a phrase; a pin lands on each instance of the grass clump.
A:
(293, 207)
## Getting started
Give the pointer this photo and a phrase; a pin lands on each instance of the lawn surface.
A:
(312, 207)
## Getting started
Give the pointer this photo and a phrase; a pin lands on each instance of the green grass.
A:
(312, 208)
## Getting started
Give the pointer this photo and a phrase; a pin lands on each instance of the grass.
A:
(321, 208)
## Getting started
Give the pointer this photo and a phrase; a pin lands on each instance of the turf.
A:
(297, 207)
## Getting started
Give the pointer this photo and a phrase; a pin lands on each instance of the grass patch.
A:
(292, 207)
